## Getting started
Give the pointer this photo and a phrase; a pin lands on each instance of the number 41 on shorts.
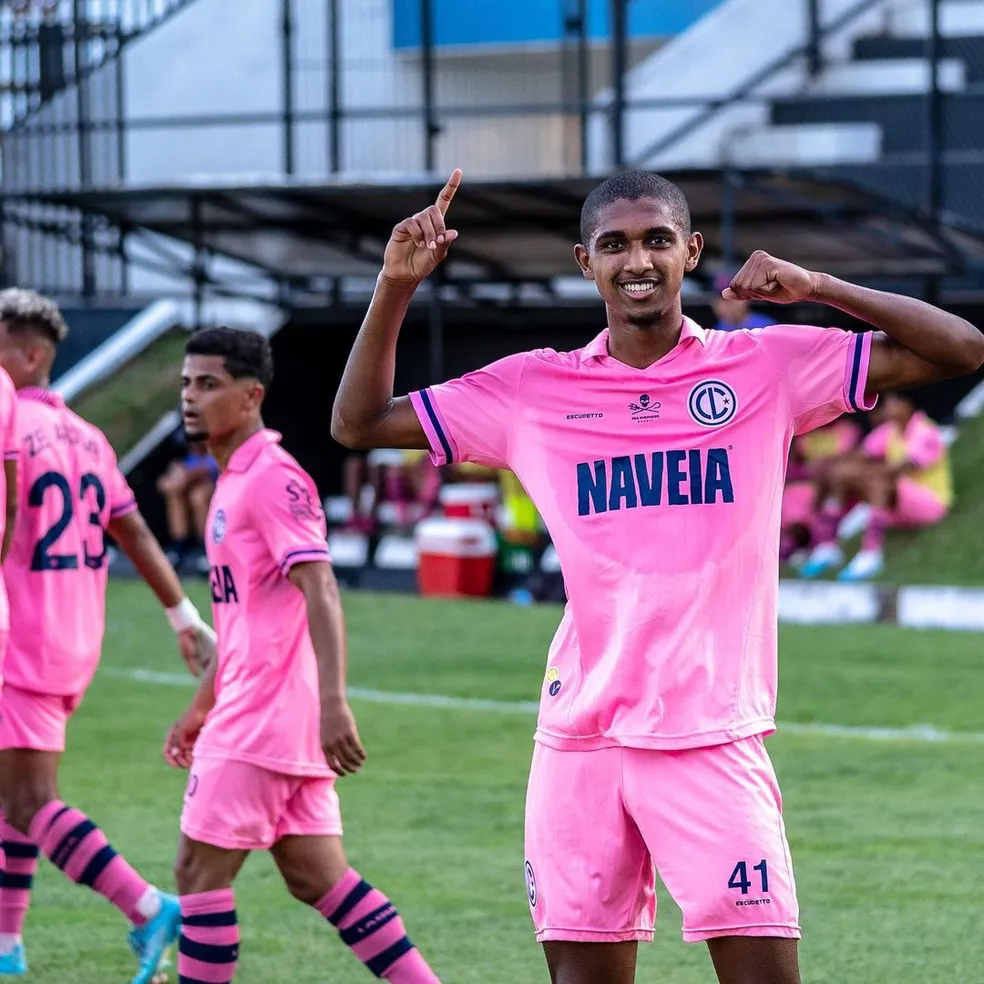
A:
(739, 877)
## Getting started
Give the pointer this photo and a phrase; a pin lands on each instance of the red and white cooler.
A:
(470, 500)
(456, 556)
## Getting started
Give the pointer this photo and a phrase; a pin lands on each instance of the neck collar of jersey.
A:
(40, 395)
(597, 348)
(249, 450)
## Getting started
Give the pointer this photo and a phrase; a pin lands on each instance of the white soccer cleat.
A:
(865, 565)
(825, 557)
(855, 522)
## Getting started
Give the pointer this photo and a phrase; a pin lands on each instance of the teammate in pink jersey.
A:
(270, 727)
(655, 455)
(73, 494)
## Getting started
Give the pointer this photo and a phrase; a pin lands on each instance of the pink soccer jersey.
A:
(69, 489)
(662, 490)
(10, 443)
(265, 517)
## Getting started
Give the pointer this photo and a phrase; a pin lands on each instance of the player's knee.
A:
(306, 887)
(21, 805)
(190, 875)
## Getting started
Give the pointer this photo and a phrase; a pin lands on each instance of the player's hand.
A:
(181, 739)
(764, 278)
(418, 244)
(340, 738)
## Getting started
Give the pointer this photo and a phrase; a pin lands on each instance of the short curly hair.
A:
(246, 354)
(631, 186)
(24, 310)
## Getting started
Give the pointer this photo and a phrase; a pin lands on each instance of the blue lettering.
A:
(696, 479)
(222, 585)
(591, 489)
(678, 478)
(675, 477)
(622, 485)
(650, 485)
(718, 478)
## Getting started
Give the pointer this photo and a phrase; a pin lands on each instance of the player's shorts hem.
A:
(312, 830)
(556, 934)
(224, 842)
(780, 931)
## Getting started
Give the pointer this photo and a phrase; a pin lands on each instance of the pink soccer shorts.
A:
(600, 823)
(244, 807)
(34, 721)
(916, 505)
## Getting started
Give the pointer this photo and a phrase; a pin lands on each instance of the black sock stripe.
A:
(68, 845)
(368, 925)
(17, 849)
(350, 902)
(189, 980)
(383, 961)
(22, 882)
(97, 866)
(209, 919)
(57, 817)
(213, 953)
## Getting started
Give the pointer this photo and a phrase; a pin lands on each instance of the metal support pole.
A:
(334, 89)
(436, 326)
(120, 103)
(620, 63)
(934, 118)
(287, 68)
(729, 187)
(83, 112)
(814, 55)
(199, 264)
(431, 129)
(583, 79)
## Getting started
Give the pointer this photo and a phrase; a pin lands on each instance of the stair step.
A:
(969, 50)
(807, 144)
(901, 118)
(903, 76)
(958, 18)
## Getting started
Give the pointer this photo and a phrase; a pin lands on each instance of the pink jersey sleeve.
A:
(8, 419)
(825, 371)
(875, 445)
(926, 446)
(289, 517)
(469, 419)
(121, 497)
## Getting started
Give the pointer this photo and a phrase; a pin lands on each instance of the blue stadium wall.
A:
(460, 23)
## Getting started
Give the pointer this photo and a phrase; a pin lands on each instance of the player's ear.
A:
(583, 258)
(695, 246)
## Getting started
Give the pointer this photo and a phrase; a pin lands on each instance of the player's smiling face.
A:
(214, 405)
(637, 257)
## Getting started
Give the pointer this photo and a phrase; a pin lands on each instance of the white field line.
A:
(920, 733)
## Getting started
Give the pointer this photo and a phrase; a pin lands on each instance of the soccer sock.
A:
(825, 523)
(19, 865)
(368, 923)
(73, 843)
(878, 523)
(209, 945)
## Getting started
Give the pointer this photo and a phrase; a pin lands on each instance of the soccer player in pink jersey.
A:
(655, 455)
(270, 727)
(73, 493)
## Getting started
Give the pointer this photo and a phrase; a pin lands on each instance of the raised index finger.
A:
(447, 192)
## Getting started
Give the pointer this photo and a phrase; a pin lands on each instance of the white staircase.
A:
(705, 63)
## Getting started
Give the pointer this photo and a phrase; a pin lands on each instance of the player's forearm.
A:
(326, 624)
(140, 545)
(365, 395)
(935, 335)
(10, 474)
(204, 699)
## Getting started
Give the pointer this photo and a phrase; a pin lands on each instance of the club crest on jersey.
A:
(219, 527)
(712, 403)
